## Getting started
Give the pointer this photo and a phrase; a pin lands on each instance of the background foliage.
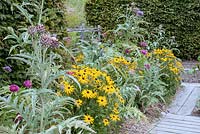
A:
(105, 12)
(180, 18)
(10, 17)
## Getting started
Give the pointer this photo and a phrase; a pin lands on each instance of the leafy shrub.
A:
(180, 19)
(11, 17)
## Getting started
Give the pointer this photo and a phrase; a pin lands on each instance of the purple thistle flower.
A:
(7, 69)
(144, 52)
(127, 51)
(36, 29)
(139, 13)
(147, 66)
(27, 83)
(47, 40)
(54, 42)
(143, 44)
(14, 88)
(40, 28)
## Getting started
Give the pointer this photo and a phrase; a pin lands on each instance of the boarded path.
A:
(178, 120)
(185, 100)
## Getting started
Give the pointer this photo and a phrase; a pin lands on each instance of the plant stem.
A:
(41, 11)
(42, 115)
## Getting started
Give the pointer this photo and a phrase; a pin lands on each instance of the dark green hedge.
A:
(180, 18)
(54, 19)
(105, 12)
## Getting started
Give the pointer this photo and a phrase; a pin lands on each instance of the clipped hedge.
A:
(105, 13)
(11, 17)
(180, 18)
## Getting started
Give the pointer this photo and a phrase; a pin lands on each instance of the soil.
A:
(131, 126)
(196, 112)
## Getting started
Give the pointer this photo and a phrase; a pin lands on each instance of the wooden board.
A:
(177, 124)
(180, 99)
(188, 106)
(183, 118)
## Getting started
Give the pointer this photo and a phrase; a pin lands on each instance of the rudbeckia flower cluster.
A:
(98, 99)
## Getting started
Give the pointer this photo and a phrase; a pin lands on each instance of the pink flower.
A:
(27, 84)
(18, 118)
(127, 51)
(147, 66)
(144, 52)
(14, 88)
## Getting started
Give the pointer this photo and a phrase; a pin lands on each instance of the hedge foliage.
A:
(180, 18)
(105, 13)
(10, 16)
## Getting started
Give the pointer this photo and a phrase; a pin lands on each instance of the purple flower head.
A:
(147, 66)
(27, 83)
(49, 41)
(36, 29)
(14, 88)
(127, 51)
(7, 69)
(45, 39)
(139, 13)
(40, 28)
(143, 44)
(144, 52)
(54, 42)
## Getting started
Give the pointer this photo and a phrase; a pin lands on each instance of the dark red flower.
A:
(70, 73)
